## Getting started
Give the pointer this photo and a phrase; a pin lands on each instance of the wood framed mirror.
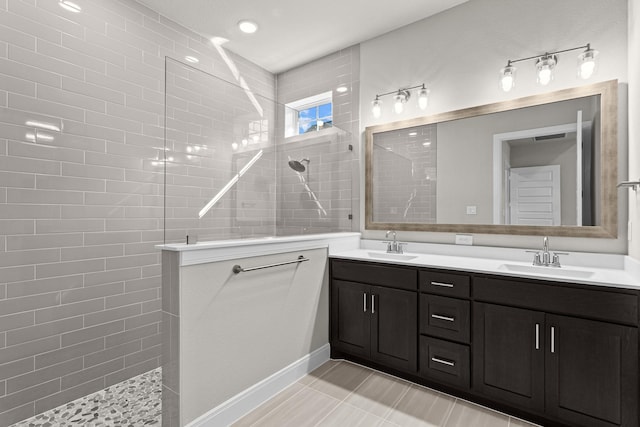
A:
(539, 165)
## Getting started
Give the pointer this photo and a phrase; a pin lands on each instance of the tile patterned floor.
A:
(337, 394)
(341, 393)
(135, 402)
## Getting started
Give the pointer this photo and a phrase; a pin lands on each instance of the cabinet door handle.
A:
(444, 362)
(364, 301)
(373, 304)
(553, 339)
(447, 318)
(444, 285)
(537, 336)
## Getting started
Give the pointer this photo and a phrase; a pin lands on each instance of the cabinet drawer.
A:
(445, 317)
(448, 284)
(375, 274)
(444, 361)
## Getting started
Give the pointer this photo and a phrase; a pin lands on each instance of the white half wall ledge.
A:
(222, 250)
(241, 404)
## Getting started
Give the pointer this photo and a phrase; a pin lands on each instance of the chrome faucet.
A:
(547, 258)
(393, 247)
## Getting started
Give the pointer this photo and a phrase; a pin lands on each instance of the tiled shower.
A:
(82, 182)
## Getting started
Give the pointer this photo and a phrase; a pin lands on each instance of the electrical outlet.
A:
(464, 239)
(472, 210)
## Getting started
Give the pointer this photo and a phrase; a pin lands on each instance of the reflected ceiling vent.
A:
(548, 137)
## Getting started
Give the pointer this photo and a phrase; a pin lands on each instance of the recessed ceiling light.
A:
(342, 89)
(70, 6)
(247, 26)
(191, 59)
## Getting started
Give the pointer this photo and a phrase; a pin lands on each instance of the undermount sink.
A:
(385, 255)
(549, 271)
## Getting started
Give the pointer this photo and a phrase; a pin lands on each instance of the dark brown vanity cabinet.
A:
(580, 369)
(374, 312)
(562, 354)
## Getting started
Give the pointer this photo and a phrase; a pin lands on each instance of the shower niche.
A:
(230, 173)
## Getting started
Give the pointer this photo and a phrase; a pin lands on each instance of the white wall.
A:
(237, 330)
(634, 124)
(459, 52)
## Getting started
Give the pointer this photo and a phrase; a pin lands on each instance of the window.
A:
(308, 115)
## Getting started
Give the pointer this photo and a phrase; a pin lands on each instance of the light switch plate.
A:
(464, 239)
(472, 210)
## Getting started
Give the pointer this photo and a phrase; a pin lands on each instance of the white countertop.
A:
(584, 268)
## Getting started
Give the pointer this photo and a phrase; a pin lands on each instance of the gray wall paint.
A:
(80, 214)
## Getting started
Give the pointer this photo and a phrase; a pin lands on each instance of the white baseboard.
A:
(246, 401)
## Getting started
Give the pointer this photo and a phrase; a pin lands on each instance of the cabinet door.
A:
(350, 317)
(592, 372)
(508, 353)
(394, 328)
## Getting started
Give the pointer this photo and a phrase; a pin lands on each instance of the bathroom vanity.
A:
(557, 350)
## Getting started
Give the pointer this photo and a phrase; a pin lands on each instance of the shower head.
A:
(297, 165)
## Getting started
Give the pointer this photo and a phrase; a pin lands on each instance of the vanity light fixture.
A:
(401, 97)
(546, 64)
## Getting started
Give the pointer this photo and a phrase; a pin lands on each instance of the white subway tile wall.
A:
(81, 193)
(333, 168)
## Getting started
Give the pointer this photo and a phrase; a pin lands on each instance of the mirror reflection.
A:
(516, 167)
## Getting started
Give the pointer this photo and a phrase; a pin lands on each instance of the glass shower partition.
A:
(231, 174)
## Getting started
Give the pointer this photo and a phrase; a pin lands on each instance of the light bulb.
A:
(587, 63)
(398, 105)
(399, 100)
(423, 98)
(508, 77)
(376, 108)
(544, 76)
(545, 66)
(234, 146)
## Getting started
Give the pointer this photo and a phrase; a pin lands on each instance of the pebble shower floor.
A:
(134, 402)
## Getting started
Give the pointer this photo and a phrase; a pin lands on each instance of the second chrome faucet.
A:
(547, 258)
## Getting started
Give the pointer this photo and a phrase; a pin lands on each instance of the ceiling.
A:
(294, 32)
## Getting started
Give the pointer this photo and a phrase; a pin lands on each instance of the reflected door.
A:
(534, 195)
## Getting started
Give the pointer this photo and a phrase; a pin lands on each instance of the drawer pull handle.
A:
(444, 285)
(447, 318)
(537, 336)
(373, 304)
(364, 301)
(553, 339)
(444, 362)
